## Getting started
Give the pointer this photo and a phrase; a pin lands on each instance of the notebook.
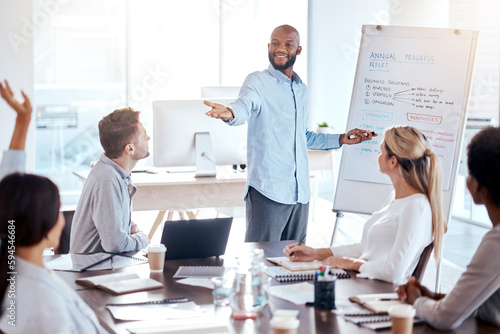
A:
(294, 266)
(373, 321)
(378, 303)
(120, 283)
(195, 238)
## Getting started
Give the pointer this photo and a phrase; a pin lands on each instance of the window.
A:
(93, 56)
(481, 15)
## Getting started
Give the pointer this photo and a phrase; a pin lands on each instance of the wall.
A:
(16, 65)
(334, 33)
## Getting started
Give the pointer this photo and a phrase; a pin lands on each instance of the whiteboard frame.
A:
(368, 197)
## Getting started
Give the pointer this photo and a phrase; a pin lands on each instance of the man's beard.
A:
(287, 65)
(139, 155)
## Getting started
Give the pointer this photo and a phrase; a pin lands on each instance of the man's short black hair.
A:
(483, 159)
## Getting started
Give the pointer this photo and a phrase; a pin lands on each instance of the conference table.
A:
(311, 320)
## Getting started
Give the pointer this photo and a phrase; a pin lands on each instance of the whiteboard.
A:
(406, 76)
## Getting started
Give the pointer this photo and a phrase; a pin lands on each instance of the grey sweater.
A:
(477, 291)
(102, 218)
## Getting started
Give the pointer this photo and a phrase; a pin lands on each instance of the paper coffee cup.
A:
(284, 325)
(402, 318)
(156, 257)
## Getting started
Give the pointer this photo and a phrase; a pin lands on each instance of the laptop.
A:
(195, 238)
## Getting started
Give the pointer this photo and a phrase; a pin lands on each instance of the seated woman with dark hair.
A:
(41, 302)
(478, 289)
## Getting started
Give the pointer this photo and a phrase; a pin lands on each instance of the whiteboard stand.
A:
(338, 215)
(437, 286)
(405, 76)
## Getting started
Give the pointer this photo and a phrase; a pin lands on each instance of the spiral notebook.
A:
(372, 320)
(283, 275)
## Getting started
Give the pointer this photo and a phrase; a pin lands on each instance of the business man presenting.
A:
(274, 102)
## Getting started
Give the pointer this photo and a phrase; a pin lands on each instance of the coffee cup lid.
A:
(157, 248)
(284, 322)
(402, 311)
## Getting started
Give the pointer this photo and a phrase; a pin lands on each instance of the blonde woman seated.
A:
(394, 237)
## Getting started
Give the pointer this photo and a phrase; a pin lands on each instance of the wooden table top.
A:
(311, 320)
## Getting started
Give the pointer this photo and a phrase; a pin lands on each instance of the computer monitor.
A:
(210, 92)
(184, 136)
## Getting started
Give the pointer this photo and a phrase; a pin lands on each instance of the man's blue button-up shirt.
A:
(276, 110)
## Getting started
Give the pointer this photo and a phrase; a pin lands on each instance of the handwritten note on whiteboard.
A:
(407, 81)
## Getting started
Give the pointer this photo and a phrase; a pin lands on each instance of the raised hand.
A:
(24, 109)
(219, 111)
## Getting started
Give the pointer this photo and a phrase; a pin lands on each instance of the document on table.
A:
(206, 322)
(203, 282)
(155, 311)
(76, 262)
(206, 328)
(299, 293)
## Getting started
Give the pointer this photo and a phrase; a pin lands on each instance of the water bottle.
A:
(250, 283)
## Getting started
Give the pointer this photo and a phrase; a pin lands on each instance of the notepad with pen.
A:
(294, 266)
(377, 302)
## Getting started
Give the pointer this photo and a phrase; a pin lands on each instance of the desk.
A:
(182, 191)
(311, 320)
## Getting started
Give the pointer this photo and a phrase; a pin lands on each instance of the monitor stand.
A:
(205, 158)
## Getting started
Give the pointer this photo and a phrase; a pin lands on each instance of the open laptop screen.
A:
(195, 238)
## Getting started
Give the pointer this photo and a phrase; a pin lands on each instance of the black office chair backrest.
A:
(66, 233)
(418, 273)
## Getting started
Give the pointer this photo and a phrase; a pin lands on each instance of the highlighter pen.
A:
(353, 136)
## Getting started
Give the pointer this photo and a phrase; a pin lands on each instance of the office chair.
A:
(66, 233)
(418, 273)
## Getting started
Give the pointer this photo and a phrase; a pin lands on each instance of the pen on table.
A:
(98, 262)
(353, 136)
(300, 243)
